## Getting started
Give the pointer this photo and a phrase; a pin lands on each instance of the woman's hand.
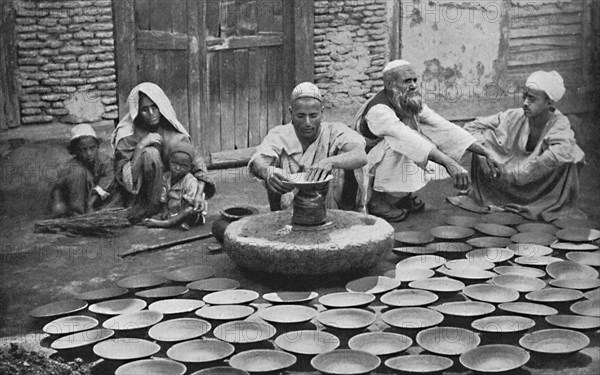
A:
(151, 139)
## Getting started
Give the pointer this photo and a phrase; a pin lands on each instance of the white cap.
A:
(549, 82)
(82, 130)
(306, 90)
(394, 65)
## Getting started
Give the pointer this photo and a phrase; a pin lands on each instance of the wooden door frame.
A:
(298, 60)
(10, 115)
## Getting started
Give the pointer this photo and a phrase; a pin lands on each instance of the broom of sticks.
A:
(102, 223)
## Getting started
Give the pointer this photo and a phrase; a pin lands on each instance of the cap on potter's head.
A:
(394, 65)
(82, 130)
(306, 90)
(549, 82)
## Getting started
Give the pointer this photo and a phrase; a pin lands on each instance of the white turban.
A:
(395, 64)
(549, 82)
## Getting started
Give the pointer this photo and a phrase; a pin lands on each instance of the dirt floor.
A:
(36, 269)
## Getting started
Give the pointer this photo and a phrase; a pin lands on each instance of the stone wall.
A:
(351, 47)
(66, 61)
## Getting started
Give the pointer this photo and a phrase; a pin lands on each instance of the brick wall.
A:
(66, 61)
(351, 48)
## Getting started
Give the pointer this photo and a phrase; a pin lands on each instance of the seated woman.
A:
(539, 160)
(143, 140)
(84, 184)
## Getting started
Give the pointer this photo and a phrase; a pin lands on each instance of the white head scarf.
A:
(157, 95)
(549, 82)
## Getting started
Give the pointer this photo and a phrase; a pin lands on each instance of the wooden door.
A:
(227, 65)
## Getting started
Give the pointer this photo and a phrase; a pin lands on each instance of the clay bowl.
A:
(491, 293)
(213, 284)
(579, 284)
(571, 270)
(412, 318)
(125, 349)
(191, 273)
(482, 242)
(148, 280)
(449, 249)
(262, 360)
(538, 238)
(588, 307)
(408, 298)
(350, 318)
(162, 292)
(503, 324)
(413, 237)
(133, 321)
(438, 284)
(200, 351)
(568, 246)
(589, 259)
(469, 263)
(451, 232)
(530, 250)
(422, 261)
(490, 254)
(345, 361)
(81, 339)
(448, 340)
(307, 342)
(380, 343)
(528, 308)
(287, 314)
(231, 297)
(419, 363)
(58, 308)
(346, 299)
(157, 366)
(101, 294)
(225, 312)
(244, 332)
(592, 294)
(519, 271)
(412, 250)
(537, 227)
(176, 306)
(118, 306)
(301, 180)
(536, 261)
(574, 321)
(494, 358)
(70, 324)
(467, 275)
(578, 234)
(503, 218)
(496, 230)
(554, 295)
(290, 297)
(554, 341)
(406, 274)
(463, 221)
(519, 283)
(372, 284)
(465, 308)
(179, 329)
(221, 370)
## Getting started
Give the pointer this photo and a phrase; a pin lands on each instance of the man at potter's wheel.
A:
(318, 148)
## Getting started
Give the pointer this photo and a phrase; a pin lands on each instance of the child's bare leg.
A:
(170, 222)
(152, 222)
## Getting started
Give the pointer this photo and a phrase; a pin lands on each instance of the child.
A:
(84, 184)
(178, 191)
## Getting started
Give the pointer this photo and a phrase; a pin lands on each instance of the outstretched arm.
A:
(263, 167)
(352, 156)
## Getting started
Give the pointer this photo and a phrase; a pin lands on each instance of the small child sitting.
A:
(84, 185)
(179, 188)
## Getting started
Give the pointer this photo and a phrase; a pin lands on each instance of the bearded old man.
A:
(408, 145)
(318, 148)
(538, 154)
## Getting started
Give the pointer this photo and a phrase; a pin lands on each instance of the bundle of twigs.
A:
(102, 223)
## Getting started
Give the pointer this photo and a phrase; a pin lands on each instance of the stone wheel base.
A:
(266, 244)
